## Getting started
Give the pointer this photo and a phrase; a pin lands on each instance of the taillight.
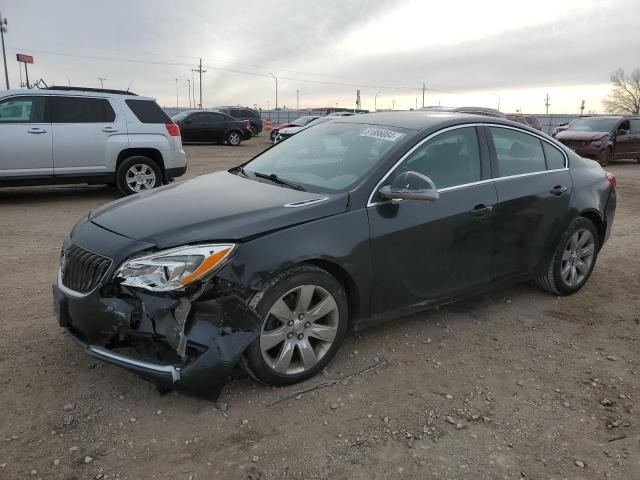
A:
(173, 129)
(612, 179)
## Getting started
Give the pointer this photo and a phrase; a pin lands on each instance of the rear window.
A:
(81, 110)
(148, 111)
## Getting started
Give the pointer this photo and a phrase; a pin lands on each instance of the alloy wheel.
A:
(140, 177)
(234, 139)
(577, 257)
(299, 329)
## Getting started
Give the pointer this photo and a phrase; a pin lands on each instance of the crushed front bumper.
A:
(170, 341)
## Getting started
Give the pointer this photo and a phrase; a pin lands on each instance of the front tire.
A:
(573, 259)
(304, 320)
(234, 138)
(138, 174)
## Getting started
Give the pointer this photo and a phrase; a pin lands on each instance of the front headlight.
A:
(172, 269)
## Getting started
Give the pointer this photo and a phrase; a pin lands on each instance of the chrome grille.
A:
(82, 270)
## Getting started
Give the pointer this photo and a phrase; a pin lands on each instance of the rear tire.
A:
(573, 259)
(138, 174)
(234, 138)
(304, 320)
(604, 157)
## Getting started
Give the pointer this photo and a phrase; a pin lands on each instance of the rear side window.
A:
(22, 110)
(635, 125)
(517, 152)
(148, 111)
(81, 110)
(449, 159)
(555, 158)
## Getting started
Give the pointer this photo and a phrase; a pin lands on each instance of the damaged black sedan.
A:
(353, 222)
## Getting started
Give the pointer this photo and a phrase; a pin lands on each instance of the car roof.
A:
(78, 91)
(421, 120)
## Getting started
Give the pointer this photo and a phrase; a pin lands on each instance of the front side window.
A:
(22, 110)
(330, 157)
(449, 159)
(82, 110)
(517, 152)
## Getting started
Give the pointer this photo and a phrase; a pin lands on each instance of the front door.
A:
(423, 251)
(87, 136)
(534, 188)
(25, 138)
(628, 145)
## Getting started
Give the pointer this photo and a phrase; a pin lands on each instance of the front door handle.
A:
(36, 130)
(558, 190)
(481, 211)
(109, 129)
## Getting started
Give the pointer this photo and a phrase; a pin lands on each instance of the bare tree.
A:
(625, 93)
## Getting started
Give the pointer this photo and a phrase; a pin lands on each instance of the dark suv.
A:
(244, 113)
(604, 138)
(212, 126)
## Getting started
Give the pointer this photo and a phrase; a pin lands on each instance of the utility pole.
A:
(582, 108)
(177, 101)
(193, 91)
(393, 103)
(424, 89)
(298, 100)
(375, 100)
(189, 86)
(547, 103)
(102, 79)
(200, 72)
(277, 112)
(3, 29)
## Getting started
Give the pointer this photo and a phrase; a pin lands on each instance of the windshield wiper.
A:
(274, 178)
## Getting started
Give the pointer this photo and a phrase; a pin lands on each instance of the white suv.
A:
(62, 135)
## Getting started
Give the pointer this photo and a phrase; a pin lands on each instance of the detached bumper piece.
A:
(171, 342)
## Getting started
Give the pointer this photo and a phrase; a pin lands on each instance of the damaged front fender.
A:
(173, 342)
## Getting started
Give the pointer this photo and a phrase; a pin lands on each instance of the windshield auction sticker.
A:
(382, 134)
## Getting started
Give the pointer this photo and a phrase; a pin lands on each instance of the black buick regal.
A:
(347, 224)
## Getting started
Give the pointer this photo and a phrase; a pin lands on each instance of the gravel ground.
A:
(515, 384)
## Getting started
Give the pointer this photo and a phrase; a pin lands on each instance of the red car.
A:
(298, 122)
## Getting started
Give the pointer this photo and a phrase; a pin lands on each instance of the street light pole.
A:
(189, 91)
(277, 112)
(102, 79)
(3, 29)
(375, 100)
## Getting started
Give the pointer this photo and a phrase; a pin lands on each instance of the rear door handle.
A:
(481, 211)
(36, 130)
(558, 190)
(109, 129)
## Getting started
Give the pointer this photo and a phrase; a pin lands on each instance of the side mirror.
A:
(411, 186)
(621, 131)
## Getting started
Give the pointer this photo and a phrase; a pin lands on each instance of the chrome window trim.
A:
(154, 367)
(371, 203)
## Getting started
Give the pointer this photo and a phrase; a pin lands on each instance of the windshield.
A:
(593, 124)
(329, 157)
(302, 121)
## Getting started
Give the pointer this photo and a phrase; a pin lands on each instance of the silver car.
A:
(63, 135)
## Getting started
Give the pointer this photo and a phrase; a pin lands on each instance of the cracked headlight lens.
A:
(173, 269)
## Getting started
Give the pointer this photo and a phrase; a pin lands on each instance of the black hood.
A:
(219, 206)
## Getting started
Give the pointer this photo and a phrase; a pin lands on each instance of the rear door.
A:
(86, 132)
(25, 137)
(217, 124)
(533, 186)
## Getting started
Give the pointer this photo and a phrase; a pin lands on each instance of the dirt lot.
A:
(516, 384)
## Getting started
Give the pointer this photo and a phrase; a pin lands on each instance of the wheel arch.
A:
(596, 218)
(151, 153)
(345, 279)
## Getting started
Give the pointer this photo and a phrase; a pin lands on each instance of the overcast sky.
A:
(467, 52)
